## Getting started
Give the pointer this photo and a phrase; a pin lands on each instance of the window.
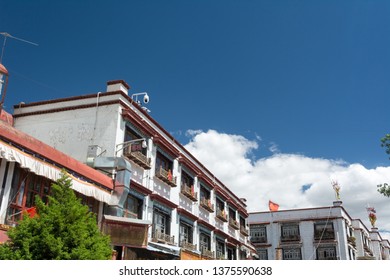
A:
(326, 253)
(164, 169)
(292, 254)
(232, 254)
(163, 162)
(93, 204)
(262, 253)
(187, 186)
(324, 230)
(133, 207)
(205, 199)
(25, 187)
(186, 180)
(204, 241)
(130, 134)
(161, 222)
(290, 232)
(204, 193)
(258, 233)
(186, 233)
(221, 213)
(2, 186)
(220, 249)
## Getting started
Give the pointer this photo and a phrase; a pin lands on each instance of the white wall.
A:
(73, 131)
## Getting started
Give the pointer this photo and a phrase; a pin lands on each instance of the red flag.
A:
(273, 206)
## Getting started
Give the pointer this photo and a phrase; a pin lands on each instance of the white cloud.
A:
(282, 177)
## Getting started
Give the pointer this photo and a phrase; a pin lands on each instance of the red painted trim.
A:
(129, 115)
(206, 224)
(186, 213)
(159, 198)
(188, 164)
(140, 188)
(222, 233)
(122, 82)
(37, 147)
(162, 143)
(70, 108)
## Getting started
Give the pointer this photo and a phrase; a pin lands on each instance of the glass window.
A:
(204, 241)
(290, 232)
(324, 230)
(133, 207)
(185, 233)
(258, 233)
(292, 254)
(262, 253)
(326, 253)
(220, 249)
(25, 187)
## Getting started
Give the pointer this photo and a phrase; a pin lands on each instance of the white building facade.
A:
(324, 233)
(189, 213)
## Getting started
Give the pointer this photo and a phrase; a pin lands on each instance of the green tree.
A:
(63, 229)
(385, 188)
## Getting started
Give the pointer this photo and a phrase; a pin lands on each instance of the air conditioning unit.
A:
(92, 153)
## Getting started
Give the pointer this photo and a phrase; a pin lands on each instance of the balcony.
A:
(244, 230)
(133, 152)
(207, 253)
(187, 245)
(206, 204)
(233, 223)
(163, 238)
(220, 256)
(324, 235)
(258, 239)
(221, 214)
(351, 241)
(189, 192)
(290, 238)
(367, 250)
(166, 176)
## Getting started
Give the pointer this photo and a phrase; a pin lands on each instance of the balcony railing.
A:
(290, 238)
(207, 253)
(233, 223)
(206, 204)
(324, 235)
(133, 153)
(163, 238)
(189, 192)
(166, 176)
(187, 245)
(221, 214)
(244, 230)
(220, 256)
(352, 241)
(259, 239)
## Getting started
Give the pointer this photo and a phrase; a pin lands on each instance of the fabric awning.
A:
(48, 170)
(168, 249)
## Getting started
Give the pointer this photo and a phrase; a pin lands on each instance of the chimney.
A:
(118, 85)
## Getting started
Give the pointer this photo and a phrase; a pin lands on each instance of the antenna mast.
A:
(7, 35)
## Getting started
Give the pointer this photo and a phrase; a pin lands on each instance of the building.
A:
(163, 204)
(323, 233)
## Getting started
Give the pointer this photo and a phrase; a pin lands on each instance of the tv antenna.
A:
(7, 35)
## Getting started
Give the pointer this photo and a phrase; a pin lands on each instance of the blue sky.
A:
(287, 95)
(308, 77)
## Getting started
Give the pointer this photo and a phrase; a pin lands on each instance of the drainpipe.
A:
(122, 182)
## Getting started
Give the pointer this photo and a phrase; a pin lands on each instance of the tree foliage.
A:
(385, 143)
(63, 229)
